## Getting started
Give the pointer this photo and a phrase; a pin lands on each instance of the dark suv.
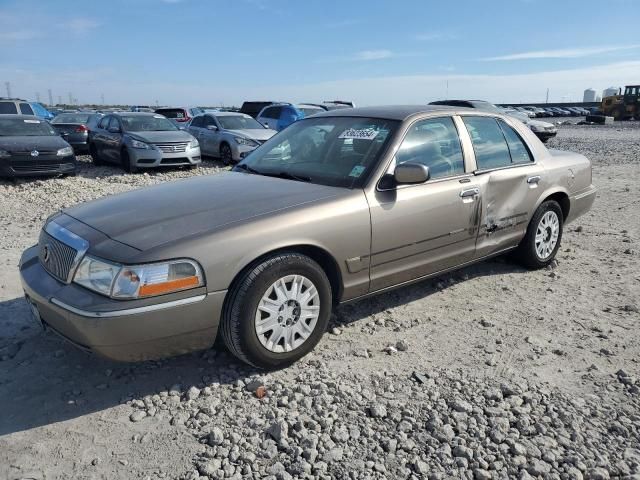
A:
(254, 108)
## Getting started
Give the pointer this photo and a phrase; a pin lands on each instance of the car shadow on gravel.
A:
(45, 380)
(356, 311)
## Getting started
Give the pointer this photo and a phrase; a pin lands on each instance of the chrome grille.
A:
(172, 147)
(56, 257)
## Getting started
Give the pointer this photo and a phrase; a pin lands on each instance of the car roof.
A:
(134, 114)
(392, 112)
(224, 114)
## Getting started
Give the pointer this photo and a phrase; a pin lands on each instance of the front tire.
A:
(544, 233)
(127, 163)
(95, 156)
(277, 311)
(226, 154)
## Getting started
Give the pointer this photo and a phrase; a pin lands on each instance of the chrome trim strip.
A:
(129, 311)
(71, 239)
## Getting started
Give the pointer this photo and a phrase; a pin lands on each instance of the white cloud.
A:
(80, 25)
(433, 36)
(561, 53)
(367, 55)
(18, 35)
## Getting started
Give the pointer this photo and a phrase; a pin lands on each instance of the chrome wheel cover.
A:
(547, 235)
(287, 314)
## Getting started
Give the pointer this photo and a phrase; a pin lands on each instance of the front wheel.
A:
(277, 311)
(95, 156)
(544, 233)
(226, 154)
(127, 163)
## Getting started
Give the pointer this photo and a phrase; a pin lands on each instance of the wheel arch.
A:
(320, 255)
(560, 196)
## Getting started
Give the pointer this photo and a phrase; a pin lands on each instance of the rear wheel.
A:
(544, 233)
(225, 154)
(277, 311)
(95, 156)
(127, 163)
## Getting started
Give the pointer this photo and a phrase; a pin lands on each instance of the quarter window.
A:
(8, 107)
(435, 144)
(518, 150)
(208, 121)
(488, 141)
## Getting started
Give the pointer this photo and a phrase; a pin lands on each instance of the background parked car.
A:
(543, 130)
(30, 146)
(142, 108)
(15, 106)
(254, 108)
(74, 127)
(280, 116)
(180, 116)
(142, 140)
(231, 136)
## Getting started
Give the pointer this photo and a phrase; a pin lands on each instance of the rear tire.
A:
(95, 156)
(226, 155)
(540, 244)
(277, 311)
(127, 164)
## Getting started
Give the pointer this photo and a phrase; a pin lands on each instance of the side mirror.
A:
(265, 125)
(411, 173)
(213, 128)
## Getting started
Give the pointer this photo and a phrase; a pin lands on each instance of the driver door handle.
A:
(534, 180)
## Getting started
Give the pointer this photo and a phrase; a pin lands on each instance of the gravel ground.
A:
(489, 372)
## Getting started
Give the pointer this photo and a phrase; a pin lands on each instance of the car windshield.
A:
(20, 127)
(71, 118)
(239, 122)
(334, 151)
(146, 123)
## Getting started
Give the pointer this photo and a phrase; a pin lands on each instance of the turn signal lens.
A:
(157, 279)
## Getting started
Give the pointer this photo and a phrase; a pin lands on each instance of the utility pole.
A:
(59, 99)
(50, 97)
(547, 100)
(447, 95)
(8, 85)
(102, 98)
(38, 97)
(70, 99)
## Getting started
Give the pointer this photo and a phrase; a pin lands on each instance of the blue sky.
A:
(209, 52)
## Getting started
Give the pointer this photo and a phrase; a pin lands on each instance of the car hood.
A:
(538, 123)
(255, 133)
(164, 136)
(22, 143)
(161, 214)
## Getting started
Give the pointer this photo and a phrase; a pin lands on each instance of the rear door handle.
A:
(469, 192)
(534, 180)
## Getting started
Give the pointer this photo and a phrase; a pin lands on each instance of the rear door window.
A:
(104, 123)
(517, 148)
(197, 122)
(8, 108)
(488, 141)
(26, 109)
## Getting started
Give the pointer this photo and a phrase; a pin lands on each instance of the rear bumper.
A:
(581, 203)
(122, 330)
(31, 168)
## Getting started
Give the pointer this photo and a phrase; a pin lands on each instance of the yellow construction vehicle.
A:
(623, 107)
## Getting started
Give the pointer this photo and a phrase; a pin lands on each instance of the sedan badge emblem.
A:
(46, 254)
(35, 153)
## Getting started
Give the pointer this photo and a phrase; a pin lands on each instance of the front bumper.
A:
(132, 330)
(19, 167)
(241, 151)
(149, 158)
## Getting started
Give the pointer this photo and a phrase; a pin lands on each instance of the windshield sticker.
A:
(356, 171)
(364, 134)
(31, 121)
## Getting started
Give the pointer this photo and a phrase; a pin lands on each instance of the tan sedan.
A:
(337, 207)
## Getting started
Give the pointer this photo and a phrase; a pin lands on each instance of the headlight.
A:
(138, 281)
(63, 152)
(245, 141)
(139, 144)
(194, 143)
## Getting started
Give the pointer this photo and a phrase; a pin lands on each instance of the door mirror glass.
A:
(212, 127)
(411, 173)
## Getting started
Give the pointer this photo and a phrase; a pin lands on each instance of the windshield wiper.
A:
(288, 176)
(247, 168)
